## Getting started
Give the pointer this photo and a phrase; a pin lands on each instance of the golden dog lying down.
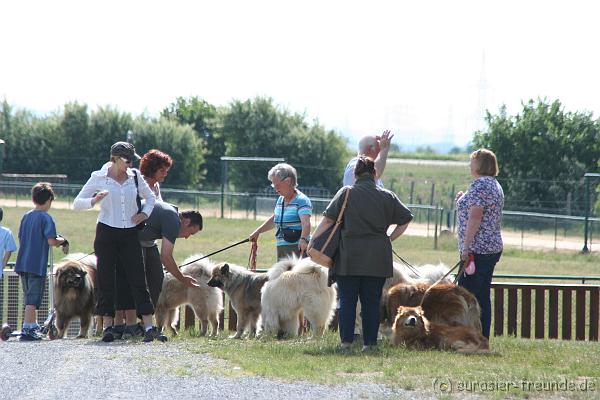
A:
(414, 330)
(444, 304)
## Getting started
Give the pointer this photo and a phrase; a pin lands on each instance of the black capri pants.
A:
(154, 280)
(120, 244)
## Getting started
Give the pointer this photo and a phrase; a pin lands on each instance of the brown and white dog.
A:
(443, 304)
(412, 329)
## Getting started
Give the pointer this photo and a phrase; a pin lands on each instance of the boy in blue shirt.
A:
(36, 233)
(7, 244)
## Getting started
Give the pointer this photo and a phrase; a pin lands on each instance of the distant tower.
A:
(481, 101)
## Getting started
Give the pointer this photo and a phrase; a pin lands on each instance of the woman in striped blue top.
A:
(291, 216)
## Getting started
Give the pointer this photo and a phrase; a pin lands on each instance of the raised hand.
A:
(385, 139)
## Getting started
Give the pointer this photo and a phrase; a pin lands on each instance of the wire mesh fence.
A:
(12, 303)
(524, 229)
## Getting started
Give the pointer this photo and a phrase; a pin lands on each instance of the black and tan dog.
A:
(243, 288)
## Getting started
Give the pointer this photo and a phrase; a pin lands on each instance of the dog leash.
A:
(252, 257)
(413, 269)
(215, 252)
(87, 255)
(442, 278)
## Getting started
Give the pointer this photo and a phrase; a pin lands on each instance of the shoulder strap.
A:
(282, 210)
(341, 214)
(338, 221)
(138, 200)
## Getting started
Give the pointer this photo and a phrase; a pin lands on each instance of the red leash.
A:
(252, 257)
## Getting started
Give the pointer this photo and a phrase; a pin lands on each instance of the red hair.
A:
(153, 161)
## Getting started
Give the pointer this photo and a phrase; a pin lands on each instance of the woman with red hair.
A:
(155, 166)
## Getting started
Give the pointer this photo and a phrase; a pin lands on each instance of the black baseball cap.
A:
(125, 150)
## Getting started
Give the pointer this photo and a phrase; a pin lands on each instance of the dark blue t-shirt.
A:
(36, 228)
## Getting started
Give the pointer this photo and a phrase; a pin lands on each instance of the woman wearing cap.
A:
(114, 186)
(154, 166)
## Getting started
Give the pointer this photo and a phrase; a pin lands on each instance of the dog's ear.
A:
(57, 270)
(225, 269)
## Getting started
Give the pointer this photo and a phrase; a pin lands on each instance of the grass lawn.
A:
(518, 364)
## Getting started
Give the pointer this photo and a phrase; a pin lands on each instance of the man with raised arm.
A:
(375, 147)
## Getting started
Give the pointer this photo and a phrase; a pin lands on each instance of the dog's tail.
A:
(432, 273)
(269, 315)
(201, 270)
(474, 315)
(282, 266)
(308, 266)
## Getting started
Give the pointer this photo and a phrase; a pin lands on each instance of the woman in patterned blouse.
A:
(479, 214)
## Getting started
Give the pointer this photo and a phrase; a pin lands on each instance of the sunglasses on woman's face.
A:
(126, 161)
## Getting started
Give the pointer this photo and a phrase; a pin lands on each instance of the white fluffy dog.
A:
(206, 301)
(289, 292)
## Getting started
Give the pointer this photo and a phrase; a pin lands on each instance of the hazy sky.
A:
(358, 67)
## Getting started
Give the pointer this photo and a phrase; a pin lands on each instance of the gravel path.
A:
(89, 369)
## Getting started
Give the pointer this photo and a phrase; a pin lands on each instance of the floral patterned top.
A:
(487, 193)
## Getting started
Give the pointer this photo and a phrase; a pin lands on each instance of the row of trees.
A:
(76, 141)
(543, 150)
(543, 153)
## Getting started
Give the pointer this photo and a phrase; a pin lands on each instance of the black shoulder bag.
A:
(289, 235)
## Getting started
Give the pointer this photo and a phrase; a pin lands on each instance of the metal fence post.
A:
(255, 207)
(522, 230)
(587, 215)
(432, 194)
(223, 179)
(555, 231)
(435, 232)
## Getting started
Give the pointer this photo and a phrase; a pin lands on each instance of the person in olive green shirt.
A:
(365, 252)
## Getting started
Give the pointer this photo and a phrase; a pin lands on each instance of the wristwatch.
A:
(307, 239)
